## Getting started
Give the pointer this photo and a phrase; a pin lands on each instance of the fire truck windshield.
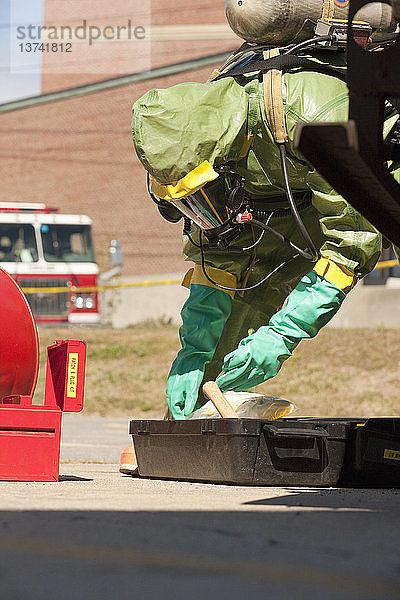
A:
(67, 243)
(17, 243)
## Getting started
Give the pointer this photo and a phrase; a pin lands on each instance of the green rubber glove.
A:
(204, 315)
(313, 302)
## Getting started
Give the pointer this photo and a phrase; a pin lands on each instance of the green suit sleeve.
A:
(313, 302)
(350, 240)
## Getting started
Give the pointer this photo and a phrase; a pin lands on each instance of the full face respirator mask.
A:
(214, 208)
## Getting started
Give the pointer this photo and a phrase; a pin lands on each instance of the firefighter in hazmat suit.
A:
(275, 249)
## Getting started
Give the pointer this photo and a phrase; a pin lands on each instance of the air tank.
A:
(396, 8)
(276, 22)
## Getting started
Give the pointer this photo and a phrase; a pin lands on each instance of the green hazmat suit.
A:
(174, 131)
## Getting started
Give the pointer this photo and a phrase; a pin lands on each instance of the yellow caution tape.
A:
(101, 288)
(95, 288)
(387, 263)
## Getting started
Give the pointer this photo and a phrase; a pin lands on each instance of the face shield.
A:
(212, 206)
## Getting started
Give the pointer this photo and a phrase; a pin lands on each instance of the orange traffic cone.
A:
(128, 464)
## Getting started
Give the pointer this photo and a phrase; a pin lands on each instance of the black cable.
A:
(310, 42)
(385, 38)
(238, 56)
(187, 223)
(187, 233)
(293, 207)
(257, 241)
(283, 62)
(271, 214)
(246, 248)
(246, 289)
(282, 239)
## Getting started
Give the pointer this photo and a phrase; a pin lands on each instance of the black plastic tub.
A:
(304, 452)
(374, 454)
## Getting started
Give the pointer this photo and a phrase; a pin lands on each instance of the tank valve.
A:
(244, 217)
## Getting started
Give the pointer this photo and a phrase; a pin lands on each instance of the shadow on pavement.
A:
(340, 499)
(63, 478)
(276, 553)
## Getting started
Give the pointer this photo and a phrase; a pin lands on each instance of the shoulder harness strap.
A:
(283, 62)
(271, 69)
(273, 101)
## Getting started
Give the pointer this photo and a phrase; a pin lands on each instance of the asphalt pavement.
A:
(93, 438)
(99, 535)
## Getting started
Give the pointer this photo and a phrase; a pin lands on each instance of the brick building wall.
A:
(77, 154)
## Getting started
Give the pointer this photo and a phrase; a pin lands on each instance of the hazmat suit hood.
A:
(176, 129)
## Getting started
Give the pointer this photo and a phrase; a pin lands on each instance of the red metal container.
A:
(30, 433)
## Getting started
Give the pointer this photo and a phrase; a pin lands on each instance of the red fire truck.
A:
(41, 248)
